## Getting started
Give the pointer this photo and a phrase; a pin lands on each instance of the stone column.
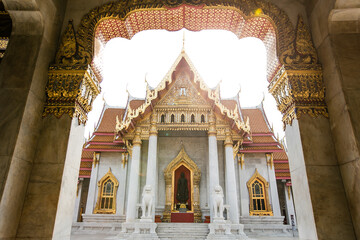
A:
(91, 199)
(133, 192)
(231, 193)
(67, 197)
(244, 192)
(273, 186)
(151, 171)
(300, 95)
(213, 160)
(77, 201)
(290, 210)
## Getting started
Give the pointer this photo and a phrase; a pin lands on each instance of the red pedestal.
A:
(182, 217)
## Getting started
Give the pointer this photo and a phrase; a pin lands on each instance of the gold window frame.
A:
(268, 211)
(100, 184)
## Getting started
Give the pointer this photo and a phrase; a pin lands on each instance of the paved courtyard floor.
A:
(111, 236)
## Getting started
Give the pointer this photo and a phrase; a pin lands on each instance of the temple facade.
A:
(184, 146)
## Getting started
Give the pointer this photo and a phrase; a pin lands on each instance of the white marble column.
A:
(133, 192)
(213, 161)
(290, 210)
(67, 197)
(244, 192)
(273, 186)
(91, 198)
(151, 171)
(231, 193)
(77, 201)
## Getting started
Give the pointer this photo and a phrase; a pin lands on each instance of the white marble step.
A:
(182, 231)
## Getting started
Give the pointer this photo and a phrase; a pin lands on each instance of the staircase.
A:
(182, 231)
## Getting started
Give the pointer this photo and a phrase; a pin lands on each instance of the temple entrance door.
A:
(182, 178)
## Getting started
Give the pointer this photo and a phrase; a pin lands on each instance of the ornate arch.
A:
(294, 72)
(123, 14)
(182, 159)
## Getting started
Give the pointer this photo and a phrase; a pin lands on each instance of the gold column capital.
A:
(153, 127)
(137, 138)
(228, 139)
(299, 92)
(212, 124)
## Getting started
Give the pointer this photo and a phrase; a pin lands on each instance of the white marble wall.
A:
(197, 149)
(255, 161)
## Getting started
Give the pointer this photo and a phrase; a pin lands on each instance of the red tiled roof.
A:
(257, 121)
(108, 120)
(134, 104)
(229, 103)
(263, 139)
(98, 138)
(280, 156)
(86, 154)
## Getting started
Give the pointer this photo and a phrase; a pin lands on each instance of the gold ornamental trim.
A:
(112, 204)
(299, 92)
(71, 92)
(252, 211)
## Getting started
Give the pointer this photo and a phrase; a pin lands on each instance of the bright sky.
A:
(216, 54)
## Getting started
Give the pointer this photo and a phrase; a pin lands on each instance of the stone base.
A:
(270, 226)
(220, 231)
(138, 231)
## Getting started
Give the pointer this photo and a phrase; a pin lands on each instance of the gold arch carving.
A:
(268, 211)
(182, 159)
(295, 52)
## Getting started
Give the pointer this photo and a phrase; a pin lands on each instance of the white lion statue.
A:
(218, 202)
(147, 202)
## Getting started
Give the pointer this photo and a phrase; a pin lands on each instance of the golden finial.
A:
(145, 78)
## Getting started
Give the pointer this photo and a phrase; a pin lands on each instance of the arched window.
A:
(107, 187)
(192, 118)
(202, 118)
(162, 120)
(259, 196)
(172, 118)
(182, 118)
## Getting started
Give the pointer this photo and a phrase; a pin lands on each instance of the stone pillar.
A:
(213, 160)
(77, 201)
(67, 197)
(151, 171)
(91, 199)
(244, 192)
(133, 192)
(299, 91)
(339, 54)
(273, 186)
(231, 193)
(290, 210)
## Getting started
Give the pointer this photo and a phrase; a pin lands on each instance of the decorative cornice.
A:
(70, 91)
(299, 92)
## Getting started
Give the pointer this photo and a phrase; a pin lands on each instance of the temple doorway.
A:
(182, 179)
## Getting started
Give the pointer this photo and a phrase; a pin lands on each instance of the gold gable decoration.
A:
(213, 95)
